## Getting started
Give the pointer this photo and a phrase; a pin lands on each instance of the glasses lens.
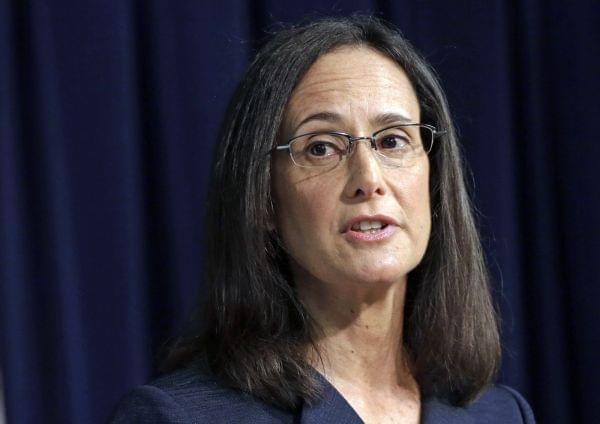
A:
(321, 149)
(426, 138)
(402, 145)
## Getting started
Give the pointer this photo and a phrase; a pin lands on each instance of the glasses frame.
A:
(352, 140)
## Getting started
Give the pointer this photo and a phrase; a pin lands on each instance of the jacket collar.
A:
(333, 408)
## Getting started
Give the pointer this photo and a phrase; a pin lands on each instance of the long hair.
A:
(250, 330)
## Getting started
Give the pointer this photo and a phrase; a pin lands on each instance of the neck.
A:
(360, 339)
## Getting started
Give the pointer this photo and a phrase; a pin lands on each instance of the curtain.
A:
(108, 118)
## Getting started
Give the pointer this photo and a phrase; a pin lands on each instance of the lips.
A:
(361, 221)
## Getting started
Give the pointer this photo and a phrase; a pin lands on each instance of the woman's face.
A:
(355, 90)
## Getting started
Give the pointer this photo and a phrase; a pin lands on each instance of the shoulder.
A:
(188, 396)
(502, 401)
(497, 404)
(507, 398)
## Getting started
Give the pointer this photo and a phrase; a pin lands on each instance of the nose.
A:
(365, 178)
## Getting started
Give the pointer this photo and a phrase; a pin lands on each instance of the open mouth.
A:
(369, 227)
(367, 231)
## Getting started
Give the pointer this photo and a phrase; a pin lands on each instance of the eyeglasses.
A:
(396, 146)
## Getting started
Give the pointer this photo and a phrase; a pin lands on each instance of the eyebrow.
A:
(333, 117)
(392, 118)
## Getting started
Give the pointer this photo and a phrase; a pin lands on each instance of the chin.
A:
(390, 269)
(380, 277)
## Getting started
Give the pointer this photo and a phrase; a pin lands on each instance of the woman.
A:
(345, 276)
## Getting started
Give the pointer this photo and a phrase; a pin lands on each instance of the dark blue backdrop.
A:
(108, 115)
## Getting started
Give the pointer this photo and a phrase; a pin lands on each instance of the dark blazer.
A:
(190, 396)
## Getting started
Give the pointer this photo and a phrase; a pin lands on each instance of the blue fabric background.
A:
(108, 116)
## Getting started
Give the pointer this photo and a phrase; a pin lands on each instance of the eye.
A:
(322, 148)
(394, 141)
(318, 149)
(323, 145)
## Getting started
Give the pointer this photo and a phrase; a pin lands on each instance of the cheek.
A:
(304, 209)
(412, 190)
(422, 205)
(300, 210)
(419, 194)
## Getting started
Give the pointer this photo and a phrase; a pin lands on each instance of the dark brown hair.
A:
(250, 330)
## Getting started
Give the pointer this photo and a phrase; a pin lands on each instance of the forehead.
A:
(354, 83)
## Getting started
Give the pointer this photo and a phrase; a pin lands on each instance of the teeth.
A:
(367, 225)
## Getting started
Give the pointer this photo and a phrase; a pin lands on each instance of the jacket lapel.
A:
(434, 411)
(333, 408)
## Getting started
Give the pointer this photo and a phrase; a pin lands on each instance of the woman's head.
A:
(322, 197)
(254, 331)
